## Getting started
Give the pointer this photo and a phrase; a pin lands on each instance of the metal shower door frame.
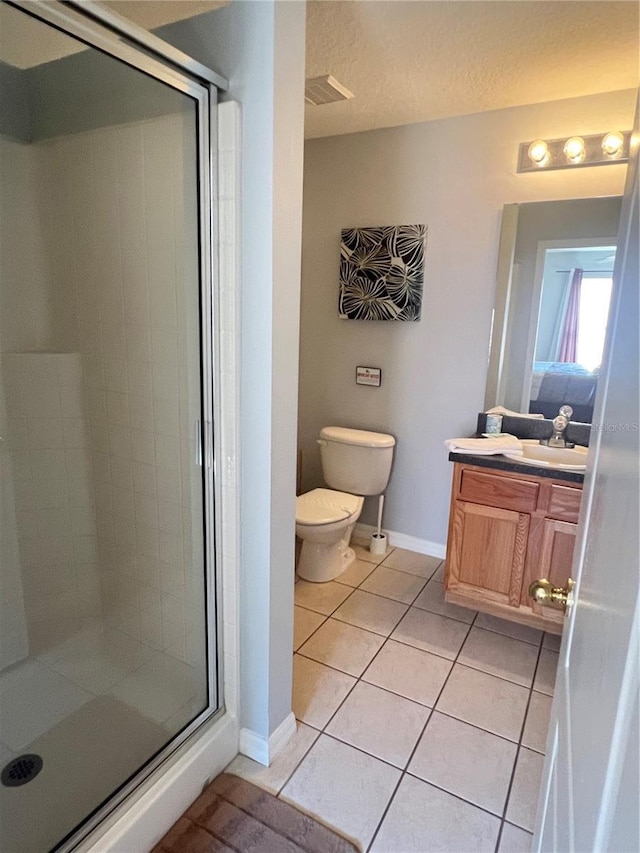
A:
(101, 28)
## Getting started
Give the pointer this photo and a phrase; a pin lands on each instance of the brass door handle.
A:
(544, 593)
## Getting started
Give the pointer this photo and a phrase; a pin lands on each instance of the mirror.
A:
(555, 263)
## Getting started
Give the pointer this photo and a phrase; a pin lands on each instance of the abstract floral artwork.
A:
(382, 272)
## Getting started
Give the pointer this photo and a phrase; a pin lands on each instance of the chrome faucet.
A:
(560, 424)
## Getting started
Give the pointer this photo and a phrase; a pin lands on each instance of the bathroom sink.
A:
(567, 458)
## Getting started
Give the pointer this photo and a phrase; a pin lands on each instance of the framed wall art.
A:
(382, 272)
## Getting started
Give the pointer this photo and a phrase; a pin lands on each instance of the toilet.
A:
(355, 464)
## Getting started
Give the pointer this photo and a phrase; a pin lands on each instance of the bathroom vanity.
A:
(510, 524)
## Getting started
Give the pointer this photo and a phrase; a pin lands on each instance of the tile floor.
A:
(421, 726)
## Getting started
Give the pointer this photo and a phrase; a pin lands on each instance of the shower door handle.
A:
(204, 444)
(208, 444)
(198, 453)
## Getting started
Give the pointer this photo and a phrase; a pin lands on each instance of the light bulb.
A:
(613, 143)
(574, 149)
(538, 152)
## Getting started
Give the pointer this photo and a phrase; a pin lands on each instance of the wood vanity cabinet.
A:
(507, 529)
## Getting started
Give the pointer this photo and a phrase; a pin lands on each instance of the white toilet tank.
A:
(356, 461)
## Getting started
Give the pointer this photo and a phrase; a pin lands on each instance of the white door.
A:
(590, 794)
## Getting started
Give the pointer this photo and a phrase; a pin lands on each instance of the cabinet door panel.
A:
(489, 551)
(556, 554)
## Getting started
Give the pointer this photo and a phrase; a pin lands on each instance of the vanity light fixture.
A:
(538, 153)
(574, 151)
(613, 143)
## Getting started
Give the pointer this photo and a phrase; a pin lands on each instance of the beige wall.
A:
(454, 175)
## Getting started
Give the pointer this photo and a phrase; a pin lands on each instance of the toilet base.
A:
(320, 563)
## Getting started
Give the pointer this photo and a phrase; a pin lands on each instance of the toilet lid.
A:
(324, 506)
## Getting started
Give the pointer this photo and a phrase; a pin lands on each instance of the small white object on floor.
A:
(378, 544)
(490, 446)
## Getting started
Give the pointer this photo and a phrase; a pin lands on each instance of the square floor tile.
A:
(545, 680)
(364, 720)
(439, 573)
(414, 564)
(321, 597)
(431, 632)
(466, 761)
(552, 641)
(305, 623)
(486, 701)
(272, 778)
(432, 598)
(342, 646)
(372, 612)
(343, 787)
(500, 655)
(317, 691)
(523, 799)
(423, 819)
(514, 840)
(363, 553)
(408, 671)
(356, 573)
(509, 629)
(400, 586)
(537, 726)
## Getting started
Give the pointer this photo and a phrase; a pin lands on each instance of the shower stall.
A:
(108, 621)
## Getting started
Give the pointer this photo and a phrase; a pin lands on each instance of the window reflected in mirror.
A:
(572, 325)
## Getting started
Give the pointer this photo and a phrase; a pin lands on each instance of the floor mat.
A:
(234, 815)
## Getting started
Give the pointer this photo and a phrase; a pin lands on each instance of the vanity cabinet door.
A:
(554, 558)
(488, 552)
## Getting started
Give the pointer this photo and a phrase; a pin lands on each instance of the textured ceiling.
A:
(416, 61)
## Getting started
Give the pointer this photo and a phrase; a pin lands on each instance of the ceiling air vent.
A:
(325, 90)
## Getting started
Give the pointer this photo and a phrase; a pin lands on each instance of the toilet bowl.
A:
(324, 522)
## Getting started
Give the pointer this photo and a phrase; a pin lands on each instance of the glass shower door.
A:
(107, 631)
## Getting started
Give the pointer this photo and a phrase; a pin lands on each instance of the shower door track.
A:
(101, 28)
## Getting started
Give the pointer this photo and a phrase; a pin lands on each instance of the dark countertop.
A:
(501, 463)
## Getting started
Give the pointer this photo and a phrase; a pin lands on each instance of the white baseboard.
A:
(151, 811)
(262, 749)
(362, 534)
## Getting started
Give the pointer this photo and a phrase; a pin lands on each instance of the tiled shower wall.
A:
(122, 228)
(116, 208)
(51, 483)
(14, 641)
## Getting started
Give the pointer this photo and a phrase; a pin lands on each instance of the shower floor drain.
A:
(21, 770)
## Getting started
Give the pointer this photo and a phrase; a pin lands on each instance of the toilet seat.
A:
(325, 506)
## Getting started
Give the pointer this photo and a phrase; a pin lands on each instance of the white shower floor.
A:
(95, 709)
